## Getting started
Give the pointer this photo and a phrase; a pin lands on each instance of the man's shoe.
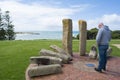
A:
(98, 70)
(104, 69)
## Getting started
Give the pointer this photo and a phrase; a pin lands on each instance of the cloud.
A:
(38, 15)
(35, 16)
(112, 20)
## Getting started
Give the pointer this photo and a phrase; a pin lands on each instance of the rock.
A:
(45, 60)
(44, 70)
(93, 52)
(67, 36)
(44, 52)
(109, 51)
(61, 51)
(82, 36)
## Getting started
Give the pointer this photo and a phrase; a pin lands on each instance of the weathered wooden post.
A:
(67, 36)
(82, 37)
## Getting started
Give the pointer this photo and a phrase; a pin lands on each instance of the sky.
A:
(47, 15)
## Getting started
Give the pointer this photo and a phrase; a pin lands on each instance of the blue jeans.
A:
(102, 56)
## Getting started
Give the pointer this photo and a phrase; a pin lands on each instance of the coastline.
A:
(27, 33)
(33, 35)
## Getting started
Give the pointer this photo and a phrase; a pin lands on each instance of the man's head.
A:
(100, 25)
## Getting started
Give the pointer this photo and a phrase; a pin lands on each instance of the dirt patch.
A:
(117, 45)
(78, 70)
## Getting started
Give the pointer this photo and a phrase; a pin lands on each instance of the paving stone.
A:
(78, 71)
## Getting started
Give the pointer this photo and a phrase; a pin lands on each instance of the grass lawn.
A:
(14, 55)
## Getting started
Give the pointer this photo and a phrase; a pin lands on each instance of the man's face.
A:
(100, 25)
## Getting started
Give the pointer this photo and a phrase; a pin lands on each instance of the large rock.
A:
(93, 52)
(109, 51)
(61, 51)
(44, 52)
(67, 36)
(82, 36)
(45, 60)
(44, 70)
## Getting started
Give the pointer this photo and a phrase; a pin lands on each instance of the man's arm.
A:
(99, 35)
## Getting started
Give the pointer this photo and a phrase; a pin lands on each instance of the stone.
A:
(44, 52)
(61, 51)
(44, 70)
(82, 37)
(45, 60)
(109, 51)
(67, 36)
(93, 52)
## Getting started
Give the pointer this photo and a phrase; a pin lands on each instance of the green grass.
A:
(14, 55)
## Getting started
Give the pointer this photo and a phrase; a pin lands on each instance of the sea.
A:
(33, 35)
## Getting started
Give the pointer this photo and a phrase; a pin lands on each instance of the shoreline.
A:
(34, 33)
(52, 35)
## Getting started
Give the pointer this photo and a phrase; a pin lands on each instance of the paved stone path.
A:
(117, 45)
(78, 70)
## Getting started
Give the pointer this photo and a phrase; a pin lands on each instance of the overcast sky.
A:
(39, 15)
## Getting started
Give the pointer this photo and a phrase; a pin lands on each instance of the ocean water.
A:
(41, 35)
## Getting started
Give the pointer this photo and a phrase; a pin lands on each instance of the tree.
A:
(1, 23)
(2, 31)
(6, 27)
(91, 34)
(2, 34)
(116, 34)
(10, 28)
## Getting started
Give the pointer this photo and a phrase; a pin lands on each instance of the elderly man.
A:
(103, 38)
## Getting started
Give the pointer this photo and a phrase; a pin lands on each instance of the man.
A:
(103, 38)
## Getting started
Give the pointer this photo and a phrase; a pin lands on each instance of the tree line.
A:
(91, 34)
(6, 26)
